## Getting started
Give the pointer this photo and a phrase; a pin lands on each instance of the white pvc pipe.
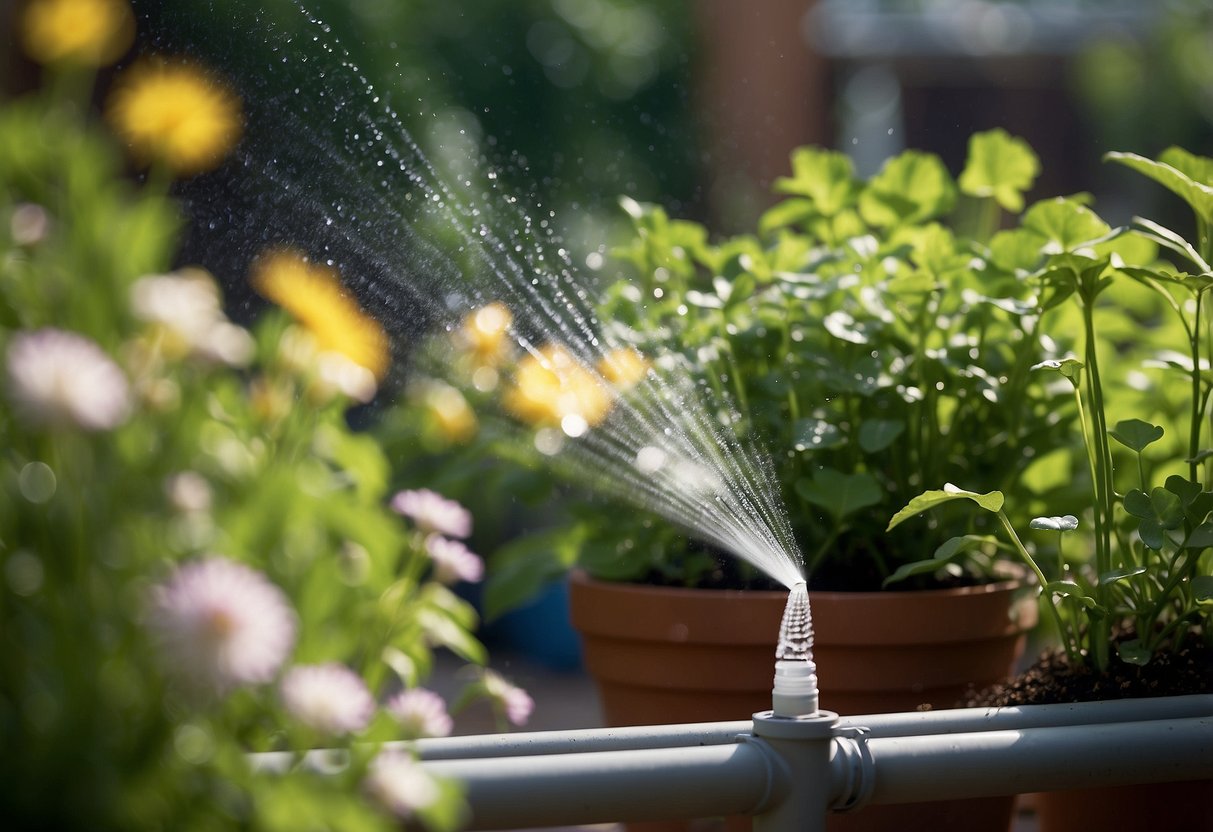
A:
(609, 786)
(988, 763)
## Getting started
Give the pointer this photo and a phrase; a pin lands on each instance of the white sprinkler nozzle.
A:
(795, 691)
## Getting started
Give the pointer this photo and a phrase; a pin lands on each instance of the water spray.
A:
(795, 690)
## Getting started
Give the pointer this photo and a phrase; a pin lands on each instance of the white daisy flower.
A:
(421, 713)
(219, 624)
(400, 784)
(452, 560)
(433, 512)
(329, 698)
(59, 379)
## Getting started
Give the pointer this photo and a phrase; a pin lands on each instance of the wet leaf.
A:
(1134, 652)
(1071, 368)
(1136, 434)
(1001, 166)
(1064, 523)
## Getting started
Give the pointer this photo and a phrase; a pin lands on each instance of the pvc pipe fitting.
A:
(794, 693)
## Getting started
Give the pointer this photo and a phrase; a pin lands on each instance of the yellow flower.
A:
(176, 114)
(485, 334)
(623, 367)
(449, 412)
(314, 296)
(553, 389)
(83, 32)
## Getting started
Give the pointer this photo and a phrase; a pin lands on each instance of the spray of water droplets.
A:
(327, 164)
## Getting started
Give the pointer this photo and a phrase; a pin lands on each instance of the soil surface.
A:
(1051, 679)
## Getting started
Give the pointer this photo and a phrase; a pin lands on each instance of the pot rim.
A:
(1014, 578)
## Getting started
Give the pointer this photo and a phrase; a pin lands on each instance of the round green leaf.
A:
(999, 166)
(878, 434)
(991, 501)
(1136, 434)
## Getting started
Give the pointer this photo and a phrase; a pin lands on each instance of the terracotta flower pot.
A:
(1159, 807)
(662, 655)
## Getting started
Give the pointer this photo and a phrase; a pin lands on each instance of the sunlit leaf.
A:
(1064, 224)
(999, 166)
(1198, 194)
(991, 501)
(825, 177)
(911, 187)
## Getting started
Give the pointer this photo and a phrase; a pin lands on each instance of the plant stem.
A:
(1062, 631)
(1103, 487)
(1194, 430)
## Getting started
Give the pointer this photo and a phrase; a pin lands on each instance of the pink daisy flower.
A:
(421, 713)
(219, 624)
(433, 512)
(452, 560)
(329, 698)
(399, 784)
(60, 379)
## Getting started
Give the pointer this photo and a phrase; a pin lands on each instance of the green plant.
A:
(873, 335)
(198, 557)
(1143, 576)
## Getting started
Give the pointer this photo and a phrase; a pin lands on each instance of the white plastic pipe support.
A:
(803, 790)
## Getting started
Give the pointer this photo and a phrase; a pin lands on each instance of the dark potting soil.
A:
(1052, 679)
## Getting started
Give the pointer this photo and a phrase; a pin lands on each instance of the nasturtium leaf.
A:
(1114, 575)
(839, 493)
(1136, 434)
(1132, 651)
(1064, 224)
(878, 434)
(825, 177)
(811, 434)
(1202, 589)
(1001, 166)
(1137, 503)
(1175, 174)
(991, 501)
(911, 187)
(1064, 523)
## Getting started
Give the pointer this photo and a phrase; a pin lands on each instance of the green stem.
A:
(1062, 632)
(1194, 430)
(1103, 487)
